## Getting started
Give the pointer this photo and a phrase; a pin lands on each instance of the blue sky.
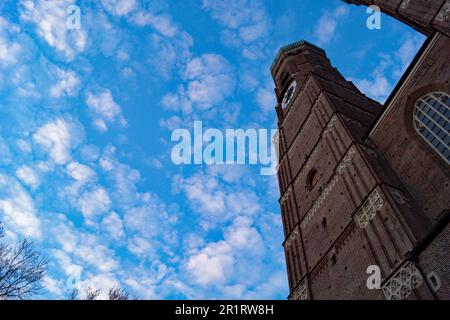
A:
(85, 124)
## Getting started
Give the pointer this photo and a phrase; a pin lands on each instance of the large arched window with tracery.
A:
(432, 122)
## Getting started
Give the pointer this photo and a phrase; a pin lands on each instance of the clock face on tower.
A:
(289, 94)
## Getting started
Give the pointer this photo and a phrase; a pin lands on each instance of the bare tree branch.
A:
(114, 293)
(118, 294)
(21, 269)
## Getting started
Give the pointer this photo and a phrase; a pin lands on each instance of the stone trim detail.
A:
(444, 14)
(369, 209)
(319, 201)
(301, 292)
(404, 4)
(403, 282)
(295, 233)
(286, 194)
(345, 163)
(330, 125)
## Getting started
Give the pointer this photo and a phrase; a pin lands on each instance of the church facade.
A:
(365, 187)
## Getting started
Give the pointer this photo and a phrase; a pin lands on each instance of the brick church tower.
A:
(351, 204)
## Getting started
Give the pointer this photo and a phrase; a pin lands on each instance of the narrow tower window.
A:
(324, 223)
(432, 122)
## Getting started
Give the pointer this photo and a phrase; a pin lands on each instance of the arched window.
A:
(432, 122)
(313, 179)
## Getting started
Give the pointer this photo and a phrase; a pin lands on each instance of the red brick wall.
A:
(322, 130)
(424, 173)
(346, 279)
(435, 258)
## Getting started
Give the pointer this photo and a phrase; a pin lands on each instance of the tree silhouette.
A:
(93, 294)
(21, 269)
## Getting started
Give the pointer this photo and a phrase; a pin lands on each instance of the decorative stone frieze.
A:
(403, 282)
(345, 163)
(369, 209)
(286, 195)
(330, 125)
(301, 292)
(295, 233)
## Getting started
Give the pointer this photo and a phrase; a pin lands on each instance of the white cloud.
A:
(58, 137)
(243, 236)
(140, 246)
(217, 196)
(96, 254)
(28, 176)
(147, 281)
(140, 16)
(87, 248)
(266, 100)
(90, 153)
(17, 207)
(120, 7)
(389, 68)
(212, 265)
(114, 225)
(80, 172)
(210, 80)
(24, 146)
(172, 123)
(123, 178)
(94, 203)
(100, 281)
(83, 177)
(105, 109)
(325, 30)
(5, 151)
(52, 285)
(270, 287)
(9, 50)
(203, 192)
(147, 219)
(67, 84)
(50, 19)
(65, 261)
(246, 24)
(218, 262)
(162, 23)
(408, 49)
(377, 88)
(168, 54)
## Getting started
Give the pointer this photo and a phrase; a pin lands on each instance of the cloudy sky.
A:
(85, 135)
